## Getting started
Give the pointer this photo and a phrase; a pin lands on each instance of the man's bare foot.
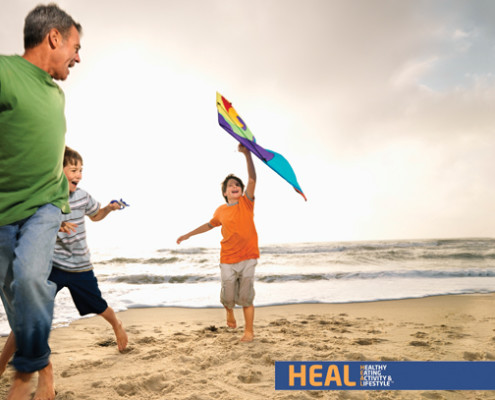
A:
(248, 336)
(231, 322)
(45, 389)
(121, 336)
(21, 387)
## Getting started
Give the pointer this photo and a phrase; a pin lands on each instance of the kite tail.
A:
(301, 193)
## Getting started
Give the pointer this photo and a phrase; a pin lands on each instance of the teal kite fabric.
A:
(233, 124)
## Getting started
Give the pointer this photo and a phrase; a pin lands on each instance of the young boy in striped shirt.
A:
(71, 265)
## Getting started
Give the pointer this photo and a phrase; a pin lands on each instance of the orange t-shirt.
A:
(240, 240)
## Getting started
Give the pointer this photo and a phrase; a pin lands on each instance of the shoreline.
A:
(189, 353)
(61, 325)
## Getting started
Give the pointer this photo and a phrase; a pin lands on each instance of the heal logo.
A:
(393, 375)
(314, 375)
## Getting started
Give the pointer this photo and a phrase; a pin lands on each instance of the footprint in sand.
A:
(133, 329)
(419, 343)
(355, 357)
(147, 340)
(432, 395)
(269, 360)
(136, 388)
(368, 341)
(250, 377)
(471, 356)
(106, 343)
(76, 369)
(280, 322)
(66, 395)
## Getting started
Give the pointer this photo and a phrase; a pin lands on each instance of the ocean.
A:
(337, 272)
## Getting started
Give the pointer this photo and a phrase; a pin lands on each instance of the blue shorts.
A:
(83, 287)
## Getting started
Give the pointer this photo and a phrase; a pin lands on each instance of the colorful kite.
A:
(233, 124)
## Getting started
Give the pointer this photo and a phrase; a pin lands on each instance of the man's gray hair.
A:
(44, 18)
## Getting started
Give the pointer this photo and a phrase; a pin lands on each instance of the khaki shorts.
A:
(238, 283)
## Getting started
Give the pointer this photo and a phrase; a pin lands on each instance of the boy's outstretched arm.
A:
(200, 229)
(103, 212)
(251, 172)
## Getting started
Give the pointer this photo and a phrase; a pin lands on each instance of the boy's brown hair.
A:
(71, 157)
(226, 180)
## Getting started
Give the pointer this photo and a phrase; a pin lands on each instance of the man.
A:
(33, 188)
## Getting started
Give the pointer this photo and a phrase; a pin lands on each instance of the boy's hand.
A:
(67, 227)
(242, 149)
(121, 203)
(182, 238)
(114, 206)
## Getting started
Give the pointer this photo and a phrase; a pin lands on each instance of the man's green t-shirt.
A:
(32, 141)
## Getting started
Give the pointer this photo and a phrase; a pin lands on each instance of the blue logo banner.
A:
(394, 375)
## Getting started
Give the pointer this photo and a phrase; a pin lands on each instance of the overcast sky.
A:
(385, 109)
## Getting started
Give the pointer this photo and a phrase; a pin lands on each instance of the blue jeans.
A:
(26, 250)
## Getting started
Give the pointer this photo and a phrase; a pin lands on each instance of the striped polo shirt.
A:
(71, 250)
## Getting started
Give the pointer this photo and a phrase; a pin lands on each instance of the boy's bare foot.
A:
(21, 387)
(248, 336)
(231, 322)
(121, 336)
(46, 389)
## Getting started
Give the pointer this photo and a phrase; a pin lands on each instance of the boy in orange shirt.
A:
(239, 247)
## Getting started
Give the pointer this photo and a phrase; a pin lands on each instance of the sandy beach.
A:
(178, 353)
